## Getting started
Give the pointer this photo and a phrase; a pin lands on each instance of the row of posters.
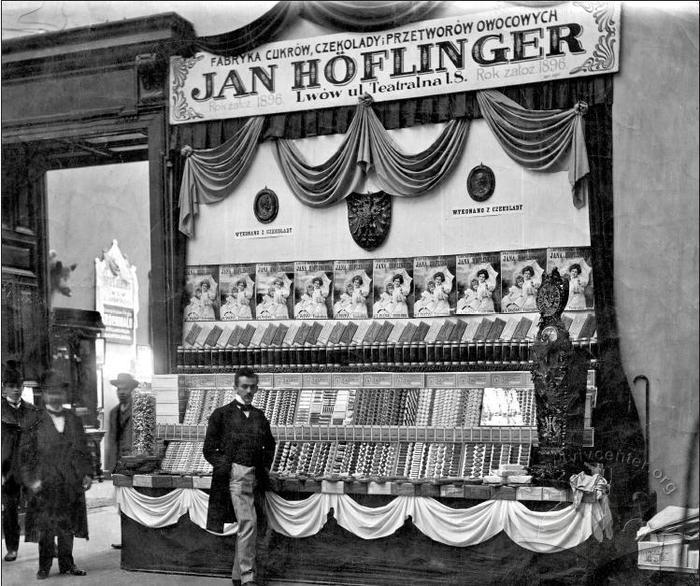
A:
(494, 282)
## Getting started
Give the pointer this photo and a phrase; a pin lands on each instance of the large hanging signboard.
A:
(116, 295)
(512, 46)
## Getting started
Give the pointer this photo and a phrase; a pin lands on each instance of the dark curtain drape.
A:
(368, 15)
(618, 434)
(262, 30)
(178, 260)
(553, 95)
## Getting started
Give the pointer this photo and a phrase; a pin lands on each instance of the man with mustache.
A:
(240, 447)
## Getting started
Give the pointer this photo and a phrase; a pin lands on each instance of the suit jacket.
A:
(233, 437)
(116, 447)
(60, 461)
(14, 423)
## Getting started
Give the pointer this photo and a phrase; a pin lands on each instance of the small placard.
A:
(467, 380)
(317, 381)
(288, 381)
(379, 487)
(377, 380)
(408, 380)
(329, 487)
(347, 380)
(440, 380)
(265, 381)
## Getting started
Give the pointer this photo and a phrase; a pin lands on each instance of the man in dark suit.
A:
(120, 430)
(17, 417)
(240, 447)
(120, 427)
(57, 468)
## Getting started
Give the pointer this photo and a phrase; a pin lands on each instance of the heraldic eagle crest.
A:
(369, 218)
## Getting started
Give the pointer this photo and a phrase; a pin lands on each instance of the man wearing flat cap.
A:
(57, 469)
(120, 428)
(17, 417)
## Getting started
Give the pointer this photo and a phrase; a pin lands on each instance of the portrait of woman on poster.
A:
(530, 287)
(441, 295)
(425, 306)
(577, 286)
(469, 302)
(514, 300)
(229, 309)
(399, 307)
(207, 299)
(193, 311)
(243, 296)
(484, 292)
(341, 308)
(383, 307)
(358, 305)
(303, 308)
(279, 294)
(318, 299)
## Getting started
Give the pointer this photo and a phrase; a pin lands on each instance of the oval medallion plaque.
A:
(481, 183)
(266, 206)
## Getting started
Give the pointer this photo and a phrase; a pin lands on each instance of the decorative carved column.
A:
(559, 376)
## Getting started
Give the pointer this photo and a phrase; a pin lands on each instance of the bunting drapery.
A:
(542, 140)
(541, 532)
(368, 146)
(210, 175)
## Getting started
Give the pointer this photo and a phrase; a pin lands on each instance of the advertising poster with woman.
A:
(393, 288)
(574, 264)
(352, 294)
(479, 283)
(435, 286)
(201, 293)
(237, 297)
(521, 279)
(313, 290)
(274, 290)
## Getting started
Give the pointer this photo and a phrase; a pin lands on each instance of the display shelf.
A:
(195, 433)
(469, 347)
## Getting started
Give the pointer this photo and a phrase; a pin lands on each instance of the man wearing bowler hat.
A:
(17, 417)
(120, 427)
(57, 469)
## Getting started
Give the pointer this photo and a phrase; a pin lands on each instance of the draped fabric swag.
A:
(211, 175)
(367, 145)
(540, 140)
(541, 532)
